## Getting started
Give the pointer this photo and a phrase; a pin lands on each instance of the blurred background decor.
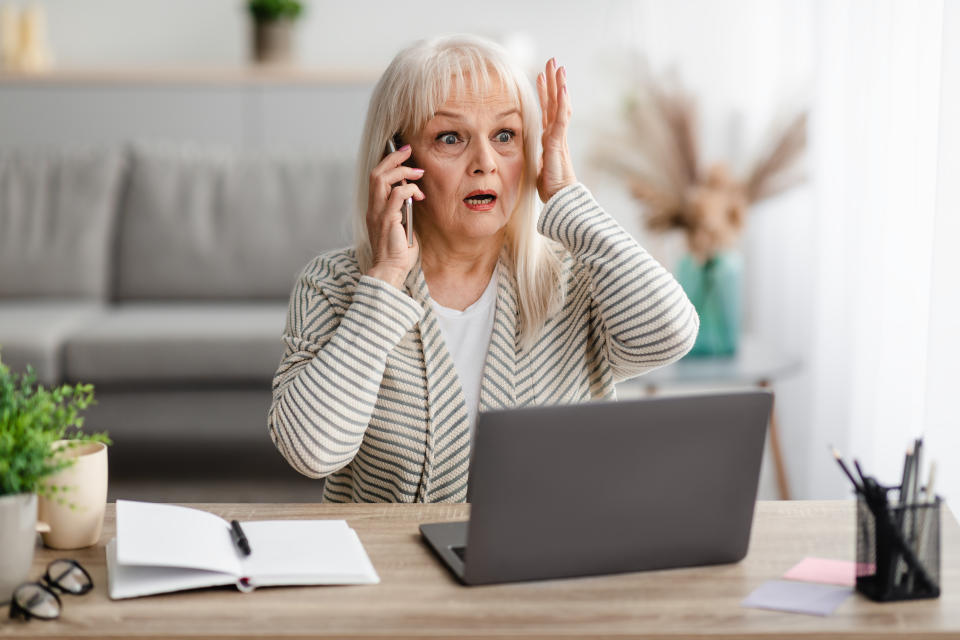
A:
(23, 38)
(273, 30)
(164, 300)
(659, 160)
(855, 271)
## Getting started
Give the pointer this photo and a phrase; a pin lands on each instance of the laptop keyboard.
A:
(460, 551)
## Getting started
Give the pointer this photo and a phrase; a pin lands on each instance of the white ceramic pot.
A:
(75, 515)
(18, 539)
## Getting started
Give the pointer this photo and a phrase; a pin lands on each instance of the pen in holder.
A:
(898, 550)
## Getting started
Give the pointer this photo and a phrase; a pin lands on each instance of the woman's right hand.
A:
(392, 258)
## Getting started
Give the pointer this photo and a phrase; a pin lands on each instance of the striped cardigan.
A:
(367, 396)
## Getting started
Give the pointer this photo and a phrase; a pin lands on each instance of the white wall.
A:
(145, 32)
(743, 58)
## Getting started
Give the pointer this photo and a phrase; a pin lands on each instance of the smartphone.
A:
(406, 210)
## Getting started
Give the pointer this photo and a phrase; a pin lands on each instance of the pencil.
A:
(856, 463)
(836, 454)
(930, 501)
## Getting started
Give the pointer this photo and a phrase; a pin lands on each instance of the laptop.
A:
(608, 487)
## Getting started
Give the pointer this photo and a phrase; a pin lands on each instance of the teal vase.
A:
(714, 289)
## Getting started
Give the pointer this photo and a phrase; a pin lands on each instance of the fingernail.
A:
(419, 170)
(404, 147)
(563, 71)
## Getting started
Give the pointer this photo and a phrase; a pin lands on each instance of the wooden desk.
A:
(418, 598)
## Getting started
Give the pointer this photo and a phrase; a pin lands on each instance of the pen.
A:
(902, 513)
(905, 479)
(915, 489)
(240, 538)
(917, 470)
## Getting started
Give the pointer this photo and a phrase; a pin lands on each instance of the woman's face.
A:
(471, 152)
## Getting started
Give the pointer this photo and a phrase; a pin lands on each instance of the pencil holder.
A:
(898, 551)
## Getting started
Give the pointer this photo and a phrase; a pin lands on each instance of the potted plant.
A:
(37, 427)
(273, 29)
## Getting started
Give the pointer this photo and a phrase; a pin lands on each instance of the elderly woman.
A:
(391, 350)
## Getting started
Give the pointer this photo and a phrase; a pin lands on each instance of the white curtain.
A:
(943, 408)
(840, 272)
(874, 159)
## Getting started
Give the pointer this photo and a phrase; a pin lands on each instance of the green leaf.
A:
(32, 418)
(267, 10)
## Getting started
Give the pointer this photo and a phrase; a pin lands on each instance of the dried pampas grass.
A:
(659, 161)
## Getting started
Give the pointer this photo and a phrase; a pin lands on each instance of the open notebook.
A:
(161, 548)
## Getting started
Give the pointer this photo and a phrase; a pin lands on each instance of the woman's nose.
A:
(482, 161)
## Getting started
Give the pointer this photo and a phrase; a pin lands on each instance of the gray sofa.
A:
(160, 273)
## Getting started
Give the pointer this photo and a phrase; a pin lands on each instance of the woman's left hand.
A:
(556, 167)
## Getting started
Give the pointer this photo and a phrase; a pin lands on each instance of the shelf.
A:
(193, 76)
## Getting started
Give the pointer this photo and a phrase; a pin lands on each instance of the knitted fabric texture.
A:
(366, 394)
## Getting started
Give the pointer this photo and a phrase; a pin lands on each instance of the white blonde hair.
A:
(418, 81)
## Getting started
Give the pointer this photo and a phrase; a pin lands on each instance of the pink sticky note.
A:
(839, 572)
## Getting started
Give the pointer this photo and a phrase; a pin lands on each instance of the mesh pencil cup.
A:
(898, 551)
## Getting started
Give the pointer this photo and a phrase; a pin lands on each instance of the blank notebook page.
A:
(303, 552)
(172, 536)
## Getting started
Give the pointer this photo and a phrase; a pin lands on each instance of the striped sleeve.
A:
(335, 352)
(647, 319)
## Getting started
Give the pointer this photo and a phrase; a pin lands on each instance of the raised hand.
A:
(556, 167)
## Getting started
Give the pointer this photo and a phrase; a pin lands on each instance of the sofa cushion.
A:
(57, 214)
(33, 332)
(203, 223)
(179, 343)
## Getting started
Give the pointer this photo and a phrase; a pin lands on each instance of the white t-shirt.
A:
(467, 334)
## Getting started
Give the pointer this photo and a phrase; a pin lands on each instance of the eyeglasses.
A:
(39, 599)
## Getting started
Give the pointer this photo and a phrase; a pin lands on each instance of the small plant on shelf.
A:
(270, 10)
(273, 22)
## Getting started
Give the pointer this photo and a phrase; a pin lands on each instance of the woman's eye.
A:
(448, 138)
(505, 136)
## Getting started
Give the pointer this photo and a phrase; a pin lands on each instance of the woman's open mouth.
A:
(480, 200)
